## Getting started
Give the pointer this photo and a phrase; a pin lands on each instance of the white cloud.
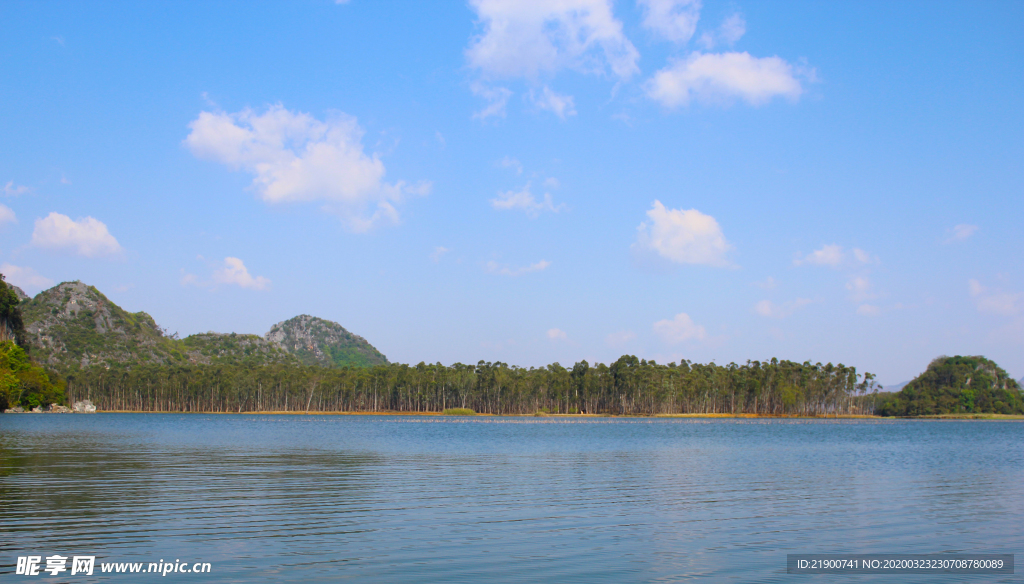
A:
(561, 105)
(675, 20)
(679, 329)
(235, 273)
(25, 278)
(961, 232)
(497, 99)
(768, 283)
(528, 38)
(868, 310)
(513, 163)
(770, 309)
(7, 215)
(552, 182)
(829, 255)
(731, 30)
(294, 157)
(994, 301)
(719, 77)
(684, 237)
(860, 289)
(863, 256)
(504, 270)
(13, 190)
(557, 334)
(87, 237)
(620, 338)
(525, 201)
(439, 251)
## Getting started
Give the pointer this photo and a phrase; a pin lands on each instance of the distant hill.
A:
(73, 325)
(895, 388)
(961, 384)
(316, 341)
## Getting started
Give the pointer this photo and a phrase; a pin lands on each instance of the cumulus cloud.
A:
(769, 309)
(525, 201)
(87, 236)
(13, 190)
(294, 157)
(235, 273)
(504, 270)
(683, 237)
(24, 277)
(994, 301)
(561, 105)
(557, 334)
(679, 329)
(528, 38)
(961, 232)
(674, 20)
(721, 77)
(7, 215)
(232, 272)
(829, 255)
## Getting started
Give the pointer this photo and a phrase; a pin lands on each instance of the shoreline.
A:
(936, 417)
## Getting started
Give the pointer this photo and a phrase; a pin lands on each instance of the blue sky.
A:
(531, 182)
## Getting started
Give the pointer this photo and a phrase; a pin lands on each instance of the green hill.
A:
(316, 341)
(234, 349)
(73, 325)
(959, 384)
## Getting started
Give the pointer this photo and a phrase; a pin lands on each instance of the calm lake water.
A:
(429, 499)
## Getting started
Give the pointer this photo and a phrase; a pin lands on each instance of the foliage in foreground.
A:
(953, 385)
(627, 386)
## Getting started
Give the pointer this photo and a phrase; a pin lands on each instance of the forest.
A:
(629, 386)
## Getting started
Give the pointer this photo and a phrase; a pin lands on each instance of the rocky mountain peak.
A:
(316, 341)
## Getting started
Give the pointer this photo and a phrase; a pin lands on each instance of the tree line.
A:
(629, 386)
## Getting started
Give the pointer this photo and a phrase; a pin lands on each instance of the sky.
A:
(531, 181)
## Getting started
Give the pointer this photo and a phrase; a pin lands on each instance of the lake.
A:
(267, 498)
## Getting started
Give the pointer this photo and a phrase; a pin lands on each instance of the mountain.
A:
(74, 325)
(235, 349)
(316, 341)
